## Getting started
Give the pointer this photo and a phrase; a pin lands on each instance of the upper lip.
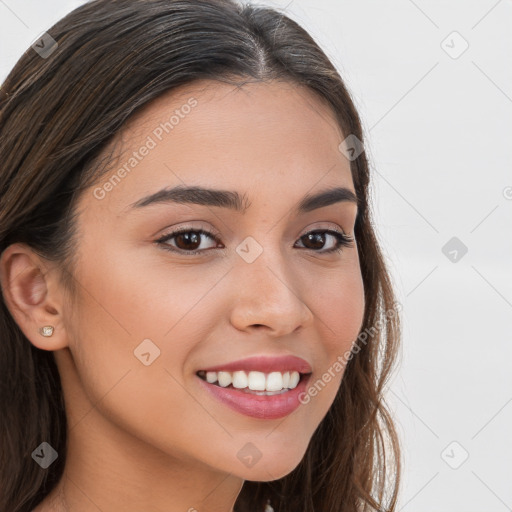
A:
(265, 364)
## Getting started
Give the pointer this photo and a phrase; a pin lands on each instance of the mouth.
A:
(254, 382)
(260, 387)
(277, 394)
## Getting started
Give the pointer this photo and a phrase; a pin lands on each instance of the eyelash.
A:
(343, 240)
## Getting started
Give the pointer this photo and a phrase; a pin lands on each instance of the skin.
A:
(148, 437)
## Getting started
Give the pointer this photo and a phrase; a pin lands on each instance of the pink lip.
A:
(266, 407)
(264, 364)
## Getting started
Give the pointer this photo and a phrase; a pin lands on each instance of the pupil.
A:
(317, 238)
(189, 238)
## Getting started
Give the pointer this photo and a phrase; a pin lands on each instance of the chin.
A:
(272, 467)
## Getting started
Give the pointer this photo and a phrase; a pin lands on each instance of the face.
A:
(249, 293)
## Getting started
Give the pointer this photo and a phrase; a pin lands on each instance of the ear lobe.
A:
(25, 286)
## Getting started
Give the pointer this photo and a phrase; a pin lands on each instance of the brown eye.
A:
(315, 240)
(187, 240)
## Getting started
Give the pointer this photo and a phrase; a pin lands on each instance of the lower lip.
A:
(267, 407)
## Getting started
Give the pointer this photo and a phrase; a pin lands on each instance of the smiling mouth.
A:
(254, 382)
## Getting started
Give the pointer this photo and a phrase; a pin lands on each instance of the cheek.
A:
(122, 306)
(150, 402)
(339, 305)
(127, 320)
(339, 308)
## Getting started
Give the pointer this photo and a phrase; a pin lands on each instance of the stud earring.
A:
(47, 330)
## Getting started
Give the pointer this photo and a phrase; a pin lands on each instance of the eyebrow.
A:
(239, 203)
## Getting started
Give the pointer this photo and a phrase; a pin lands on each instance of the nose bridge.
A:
(267, 292)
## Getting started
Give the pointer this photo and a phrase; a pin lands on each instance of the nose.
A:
(269, 296)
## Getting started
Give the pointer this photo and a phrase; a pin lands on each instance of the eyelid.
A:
(216, 234)
(207, 229)
(323, 228)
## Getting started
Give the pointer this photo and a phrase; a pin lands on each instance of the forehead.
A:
(255, 137)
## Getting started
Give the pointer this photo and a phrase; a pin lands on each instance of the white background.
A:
(439, 133)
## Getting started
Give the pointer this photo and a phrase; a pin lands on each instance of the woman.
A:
(196, 314)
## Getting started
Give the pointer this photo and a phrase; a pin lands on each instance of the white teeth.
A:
(294, 379)
(255, 381)
(224, 379)
(240, 380)
(274, 381)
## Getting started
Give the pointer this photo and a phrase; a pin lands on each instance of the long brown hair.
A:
(58, 113)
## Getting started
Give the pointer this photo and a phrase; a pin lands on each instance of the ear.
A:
(32, 294)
